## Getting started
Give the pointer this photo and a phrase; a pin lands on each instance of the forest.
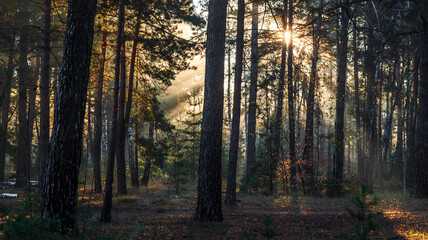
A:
(213, 119)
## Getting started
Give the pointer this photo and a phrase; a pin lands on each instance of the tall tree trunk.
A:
(234, 138)
(108, 189)
(148, 165)
(277, 151)
(5, 106)
(22, 156)
(44, 91)
(420, 188)
(309, 128)
(98, 118)
(357, 108)
(59, 197)
(291, 112)
(32, 94)
(340, 101)
(411, 142)
(121, 131)
(134, 171)
(252, 105)
(208, 205)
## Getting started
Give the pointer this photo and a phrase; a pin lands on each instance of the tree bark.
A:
(411, 142)
(309, 128)
(5, 108)
(59, 197)
(278, 117)
(121, 131)
(44, 91)
(134, 171)
(22, 156)
(420, 189)
(209, 206)
(234, 138)
(340, 101)
(252, 105)
(98, 118)
(291, 112)
(108, 189)
(357, 108)
(148, 165)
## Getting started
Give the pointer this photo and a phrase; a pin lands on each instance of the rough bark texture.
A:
(420, 188)
(22, 156)
(234, 138)
(278, 112)
(291, 97)
(252, 105)
(44, 91)
(209, 206)
(340, 102)
(59, 197)
(148, 165)
(108, 188)
(98, 118)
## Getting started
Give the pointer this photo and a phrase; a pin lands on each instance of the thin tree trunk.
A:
(340, 101)
(357, 108)
(134, 173)
(278, 118)
(309, 128)
(65, 148)
(252, 105)
(98, 118)
(234, 138)
(108, 189)
(291, 112)
(209, 205)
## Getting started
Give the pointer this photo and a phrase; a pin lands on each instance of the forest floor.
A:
(156, 213)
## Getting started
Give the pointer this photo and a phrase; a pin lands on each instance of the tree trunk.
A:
(133, 164)
(357, 108)
(411, 142)
(234, 138)
(22, 156)
(309, 128)
(4, 110)
(208, 205)
(252, 105)
(98, 118)
(121, 131)
(44, 91)
(291, 112)
(340, 102)
(134, 171)
(420, 188)
(108, 189)
(278, 118)
(61, 179)
(148, 165)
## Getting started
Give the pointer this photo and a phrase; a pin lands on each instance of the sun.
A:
(287, 37)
